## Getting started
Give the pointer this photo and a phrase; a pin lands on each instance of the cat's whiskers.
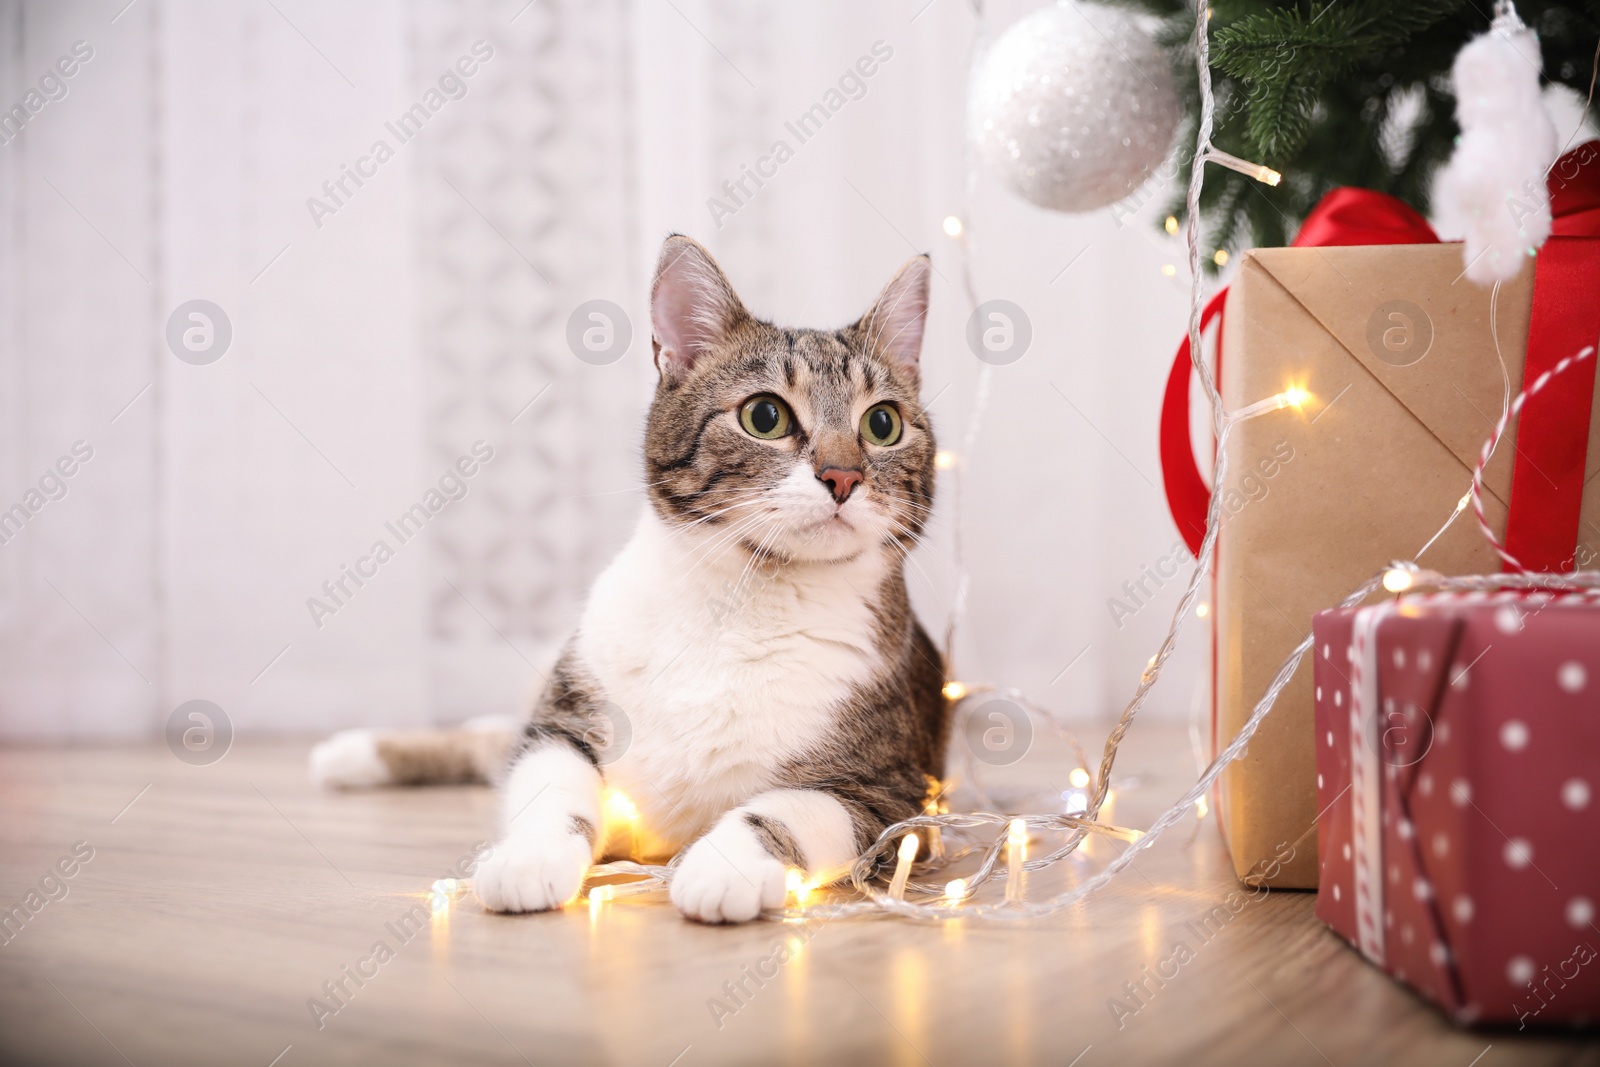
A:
(714, 549)
(712, 516)
(905, 550)
(753, 493)
(723, 511)
(755, 555)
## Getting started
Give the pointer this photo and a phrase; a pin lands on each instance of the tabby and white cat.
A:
(784, 704)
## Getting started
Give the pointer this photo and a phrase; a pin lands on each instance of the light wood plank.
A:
(226, 895)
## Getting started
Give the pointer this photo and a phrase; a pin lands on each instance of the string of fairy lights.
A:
(954, 838)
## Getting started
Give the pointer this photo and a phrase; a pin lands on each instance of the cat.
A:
(748, 672)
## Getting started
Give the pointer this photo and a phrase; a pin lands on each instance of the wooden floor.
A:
(220, 899)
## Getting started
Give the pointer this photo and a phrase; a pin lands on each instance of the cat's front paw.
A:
(728, 876)
(532, 873)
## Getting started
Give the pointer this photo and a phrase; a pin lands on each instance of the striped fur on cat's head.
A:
(798, 444)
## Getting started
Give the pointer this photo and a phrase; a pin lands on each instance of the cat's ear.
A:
(893, 327)
(692, 306)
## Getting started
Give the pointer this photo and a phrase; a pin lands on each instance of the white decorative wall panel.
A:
(388, 309)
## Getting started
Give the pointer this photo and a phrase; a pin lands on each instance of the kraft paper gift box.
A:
(1376, 319)
(1406, 382)
(1458, 781)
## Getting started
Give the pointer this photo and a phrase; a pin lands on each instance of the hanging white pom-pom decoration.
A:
(1073, 114)
(1493, 190)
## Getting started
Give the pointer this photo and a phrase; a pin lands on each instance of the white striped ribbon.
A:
(1366, 780)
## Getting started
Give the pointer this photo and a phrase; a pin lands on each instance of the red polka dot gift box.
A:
(1458, 787)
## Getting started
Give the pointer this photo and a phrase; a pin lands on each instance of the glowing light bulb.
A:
(902, 870)
(1397, 579)
(598, 896)
(1260, 173)
(1295, 396)
(446, 886)
(1076, 801)
(952, 226)
(954, 690)
(1202, 609)
(619, 807)
(1201, 808)
(1169, 270)
(1172, 224)
(1078, 777)
(439, 901)
(798, 886)
(621, 817)
(955, 890)
(944, 459)
(1016, 856)
(1221, 257)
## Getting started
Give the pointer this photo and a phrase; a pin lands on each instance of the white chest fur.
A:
(724, 671)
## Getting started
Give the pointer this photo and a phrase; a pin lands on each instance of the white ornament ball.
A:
(1073, 107)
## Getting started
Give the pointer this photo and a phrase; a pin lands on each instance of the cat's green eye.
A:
(881, 424)
(766, 417)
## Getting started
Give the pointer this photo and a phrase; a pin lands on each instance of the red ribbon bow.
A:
(1552, 444)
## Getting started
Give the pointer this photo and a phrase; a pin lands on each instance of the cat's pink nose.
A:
(840, 481)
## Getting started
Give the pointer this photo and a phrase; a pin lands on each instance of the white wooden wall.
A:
(372, 351)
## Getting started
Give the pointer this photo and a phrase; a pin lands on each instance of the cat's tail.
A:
(476, 751)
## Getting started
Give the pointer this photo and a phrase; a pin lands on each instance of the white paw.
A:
(532, 873)
(349, 760)
(728, 877)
